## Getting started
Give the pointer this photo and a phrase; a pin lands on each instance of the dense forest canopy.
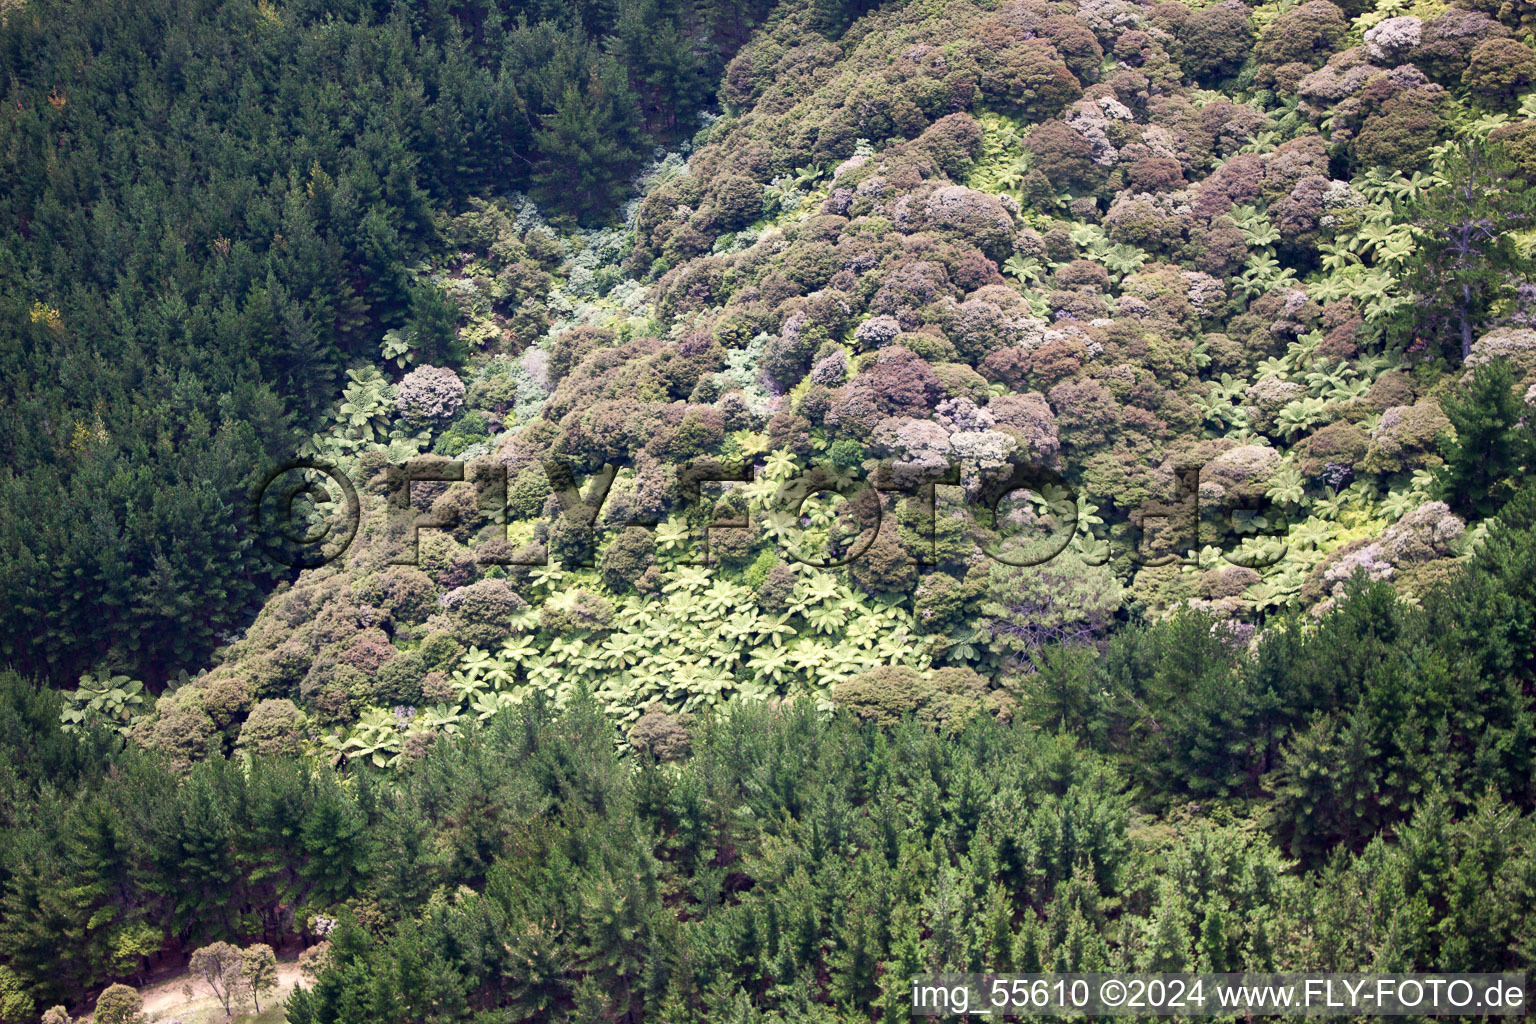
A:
(742, 361)
(209, 209)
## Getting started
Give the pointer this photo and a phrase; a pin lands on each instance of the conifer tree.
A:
(1483, 467)
(1466, 259)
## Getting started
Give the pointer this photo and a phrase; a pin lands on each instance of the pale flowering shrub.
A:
(1407, 437)
(1369, 559)
(1205, 293)
(1028, 419)
(957, 414)
(920, 448)
(831, 370)
(1389, 42)
(877, 332)
(988, 449)
(430, 393)
(1240, 472)
(1513, 345)
(1429, 531)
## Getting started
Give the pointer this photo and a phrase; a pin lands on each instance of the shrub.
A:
(1428, 532)
(399, 680)
(687, 432)
(1066, 158)
(1227, 581)
(1083, 274)
(585, 610)
(660, 735)
(315, 961)
(773, 593)
(830, 370)
(1407, 437)
(274, 728)
(179, 729)
(1390, 41)
(974, 217)
(898, 383)
(790, 431)
(1392, 388)
(1449, 39)
(1518, 141)
(430, 393)
(1025, 75)
(1028, 418)
(952, 141)
(1076, 44)
(1155, 174)
(482, 612)
(810, 265)
(440, 651)
(1303, 35)
(1297, 215)
(1513, 346)
(1498, 70)
(736, 201)
(1156, 223)
(16, 1007)
(224, 694)
(436, 688)
(1086, 414)
(406, 593)
(1402, 133)
(941, 601)
(876, 332)
(1238, 474)
(886, 695)
(958, 380)
(885, 566)
(1214, 41)
(931, 345)
(119, 1004)
(1336, 445)
(631, 553)
(572, 346)
(787, 357)
(366, 653)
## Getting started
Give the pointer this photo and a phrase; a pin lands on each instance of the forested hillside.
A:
(931, 485)
(209, 210)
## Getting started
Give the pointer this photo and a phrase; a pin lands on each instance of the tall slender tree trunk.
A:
(1466, 321)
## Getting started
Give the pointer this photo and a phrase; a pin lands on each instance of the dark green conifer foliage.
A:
(215, 214)
(1467, 260)
(1485, 464)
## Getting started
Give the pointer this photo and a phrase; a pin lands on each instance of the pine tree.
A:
(905, 963)
(1466, 258)
(433, 327)
(16, 1007)
(853, 961)
(1167, 949)
(588, 142)
(1483, 467)
(664, 64)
